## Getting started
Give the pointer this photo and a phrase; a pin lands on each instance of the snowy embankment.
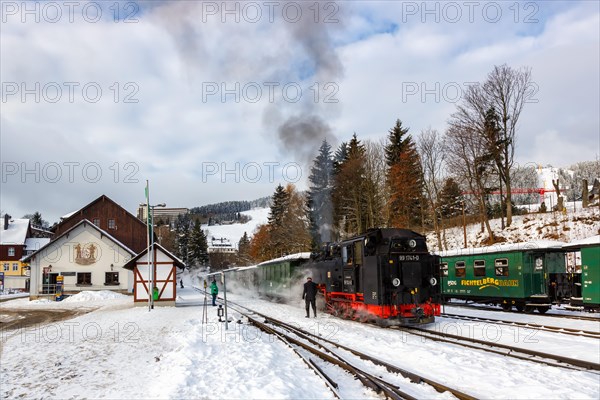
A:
(563, 227)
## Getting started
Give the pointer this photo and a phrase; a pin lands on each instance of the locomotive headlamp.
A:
(396, 282)
(433, 281)
(412, 243)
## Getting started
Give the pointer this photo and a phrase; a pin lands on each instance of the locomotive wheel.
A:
(543, 310)
(349, 313)
(506, 307)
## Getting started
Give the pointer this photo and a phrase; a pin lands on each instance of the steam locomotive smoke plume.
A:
(302, 134)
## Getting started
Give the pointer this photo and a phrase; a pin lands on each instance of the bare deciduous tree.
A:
(374, 184)
(507, 91)
(467, 159)
(432, 154)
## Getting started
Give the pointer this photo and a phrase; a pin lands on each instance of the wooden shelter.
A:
(165, 276)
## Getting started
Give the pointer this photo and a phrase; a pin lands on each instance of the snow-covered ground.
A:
(119, 351)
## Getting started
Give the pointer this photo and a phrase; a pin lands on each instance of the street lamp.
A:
(151, 266)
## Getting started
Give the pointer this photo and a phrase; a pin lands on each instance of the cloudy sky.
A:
(216, 101)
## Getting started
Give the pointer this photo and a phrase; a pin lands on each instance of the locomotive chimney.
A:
(6, 219)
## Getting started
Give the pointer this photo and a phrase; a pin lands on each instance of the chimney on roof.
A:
(6, 219)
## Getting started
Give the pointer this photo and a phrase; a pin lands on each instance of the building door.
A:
(49, 283)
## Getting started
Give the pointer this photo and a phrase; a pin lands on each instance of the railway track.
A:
(544, 328)
(506, 350)
(330, 352)
(548, 314)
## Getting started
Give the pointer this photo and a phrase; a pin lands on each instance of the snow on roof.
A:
(68, 215)
(590, 241)
(504, 247)
(131, 263)
(16, 232)
(246, 268)
(296, 256)
(35, 243)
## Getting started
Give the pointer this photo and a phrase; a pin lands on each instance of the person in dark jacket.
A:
(310, 295)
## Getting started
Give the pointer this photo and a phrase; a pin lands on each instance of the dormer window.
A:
(11, 251)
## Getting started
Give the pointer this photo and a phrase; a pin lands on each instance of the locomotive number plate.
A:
(408, 257)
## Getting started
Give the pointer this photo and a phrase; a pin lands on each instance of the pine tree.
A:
(279, 207)
(295, 223)
(341, 156)
(396, 143)
(198, 246)
(244, 250)
(349, 202)
(182, 227)
(37, 220)
(319, 202)
(450, 199)
(405, 178)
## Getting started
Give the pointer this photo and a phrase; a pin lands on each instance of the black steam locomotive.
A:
(385, 275)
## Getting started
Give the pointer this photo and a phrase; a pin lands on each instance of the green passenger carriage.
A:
(511, 275)
(590, 272)
(275, 277)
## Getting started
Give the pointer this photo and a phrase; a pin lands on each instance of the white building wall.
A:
(62, 257)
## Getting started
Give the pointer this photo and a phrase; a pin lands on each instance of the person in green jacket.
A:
(214, 291)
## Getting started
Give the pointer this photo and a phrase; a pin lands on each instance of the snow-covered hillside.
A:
(567, 227)
(234, 232)
(576, 224)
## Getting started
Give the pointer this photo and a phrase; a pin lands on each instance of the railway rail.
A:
(548, 314)
(544, 327)
(329, 351)
(506, 350)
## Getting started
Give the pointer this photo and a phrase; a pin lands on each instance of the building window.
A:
(84, 278)
(96, 222)
(444, 268)
(112, 278)
(111, 224)
(6, 267)
(459, 269)
(15, 266)
(11, 251)
(501, 266)
(479, 267)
